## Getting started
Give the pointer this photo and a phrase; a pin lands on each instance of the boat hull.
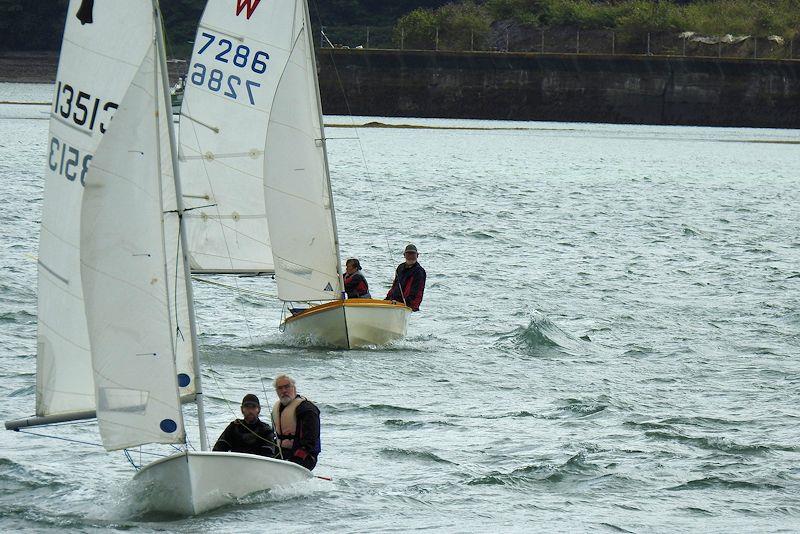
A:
(191, 483)
(351, 323)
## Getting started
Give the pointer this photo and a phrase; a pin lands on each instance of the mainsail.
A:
(127, 272)
(112, 40)
(296, 181)
(223, 125)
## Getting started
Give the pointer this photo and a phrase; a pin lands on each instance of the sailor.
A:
(249, 435)
(355, 285)
(296, 421)
(409, 280)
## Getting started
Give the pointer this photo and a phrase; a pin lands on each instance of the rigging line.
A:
(358, 138)
(81, 442)
(226, 286)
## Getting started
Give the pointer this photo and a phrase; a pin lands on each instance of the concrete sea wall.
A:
(590, 88)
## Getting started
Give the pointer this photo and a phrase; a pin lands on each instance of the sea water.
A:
(608, 340)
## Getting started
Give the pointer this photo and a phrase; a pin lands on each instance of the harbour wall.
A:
(554, 87)
(523, 86)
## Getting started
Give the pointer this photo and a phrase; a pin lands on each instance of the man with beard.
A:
(296, 421)
(249, 435)
(409, 280)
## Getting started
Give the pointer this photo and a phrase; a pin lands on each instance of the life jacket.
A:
(285, 422)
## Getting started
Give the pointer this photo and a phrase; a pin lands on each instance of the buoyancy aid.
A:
(285, 422)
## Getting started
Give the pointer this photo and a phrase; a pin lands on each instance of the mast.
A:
(180, 208)
(312, 53)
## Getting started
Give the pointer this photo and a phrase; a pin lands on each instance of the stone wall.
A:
(586, 88)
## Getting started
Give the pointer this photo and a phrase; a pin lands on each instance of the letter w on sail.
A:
(251, 6)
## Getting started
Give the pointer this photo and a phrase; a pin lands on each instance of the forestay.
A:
(299, 206)
(223, 126)
(129, 280)
(112, 39)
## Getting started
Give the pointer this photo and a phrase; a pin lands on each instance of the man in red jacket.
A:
(409, 280)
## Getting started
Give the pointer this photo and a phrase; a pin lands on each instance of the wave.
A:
(723, 483)
(21, 316)
(371, 408)
(405, 454)
(16, 478)
(710, 443)
(576, 468)
(584, 408)
(404, 424)
(542, 335)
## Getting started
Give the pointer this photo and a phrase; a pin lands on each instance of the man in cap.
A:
(409, 280)
(296, 421)
(249, 435)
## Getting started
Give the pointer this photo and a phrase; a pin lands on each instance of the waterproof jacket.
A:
(355, 285)
(411, 282)
(257, 438)
(305, 441)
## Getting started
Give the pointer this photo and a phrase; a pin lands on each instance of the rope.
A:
(360, 145)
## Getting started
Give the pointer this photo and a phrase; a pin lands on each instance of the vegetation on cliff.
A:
(712, 17)
(457, 24)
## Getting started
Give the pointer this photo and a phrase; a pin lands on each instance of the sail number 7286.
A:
(230, 85)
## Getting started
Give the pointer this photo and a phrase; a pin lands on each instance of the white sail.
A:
(223, 126)
(299, 208)
(112, 39)
(125, 270)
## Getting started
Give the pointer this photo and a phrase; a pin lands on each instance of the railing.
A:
(561, 41)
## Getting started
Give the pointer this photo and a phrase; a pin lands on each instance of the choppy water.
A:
(608, 342)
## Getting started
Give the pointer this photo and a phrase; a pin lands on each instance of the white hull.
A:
(351, 323)
(192, 483)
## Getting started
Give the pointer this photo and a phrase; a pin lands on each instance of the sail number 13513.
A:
(222, 52)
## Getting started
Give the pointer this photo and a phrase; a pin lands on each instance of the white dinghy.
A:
(127, 354)
(255, 171)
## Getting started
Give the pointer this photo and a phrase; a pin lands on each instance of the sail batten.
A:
(222, 131)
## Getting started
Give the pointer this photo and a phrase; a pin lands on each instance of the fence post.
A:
(719, 52)
(648, 43)
(367, 36)
(471, 40)
(437, 37)
(791, 51)
(755, 47)
(684, 47)
(542, 41)
(613, 43)
(506, 39)
(578, 42)
(402, 37)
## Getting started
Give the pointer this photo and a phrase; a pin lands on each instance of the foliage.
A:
(450, 27)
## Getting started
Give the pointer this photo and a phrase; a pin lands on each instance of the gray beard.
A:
(286, 400)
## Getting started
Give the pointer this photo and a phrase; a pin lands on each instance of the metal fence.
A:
(562, 41)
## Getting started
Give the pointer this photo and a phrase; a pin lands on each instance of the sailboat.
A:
(255, 174)
(117, 337)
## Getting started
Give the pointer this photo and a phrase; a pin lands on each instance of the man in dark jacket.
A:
(409, 281)
(296, 421)
(249, 435)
